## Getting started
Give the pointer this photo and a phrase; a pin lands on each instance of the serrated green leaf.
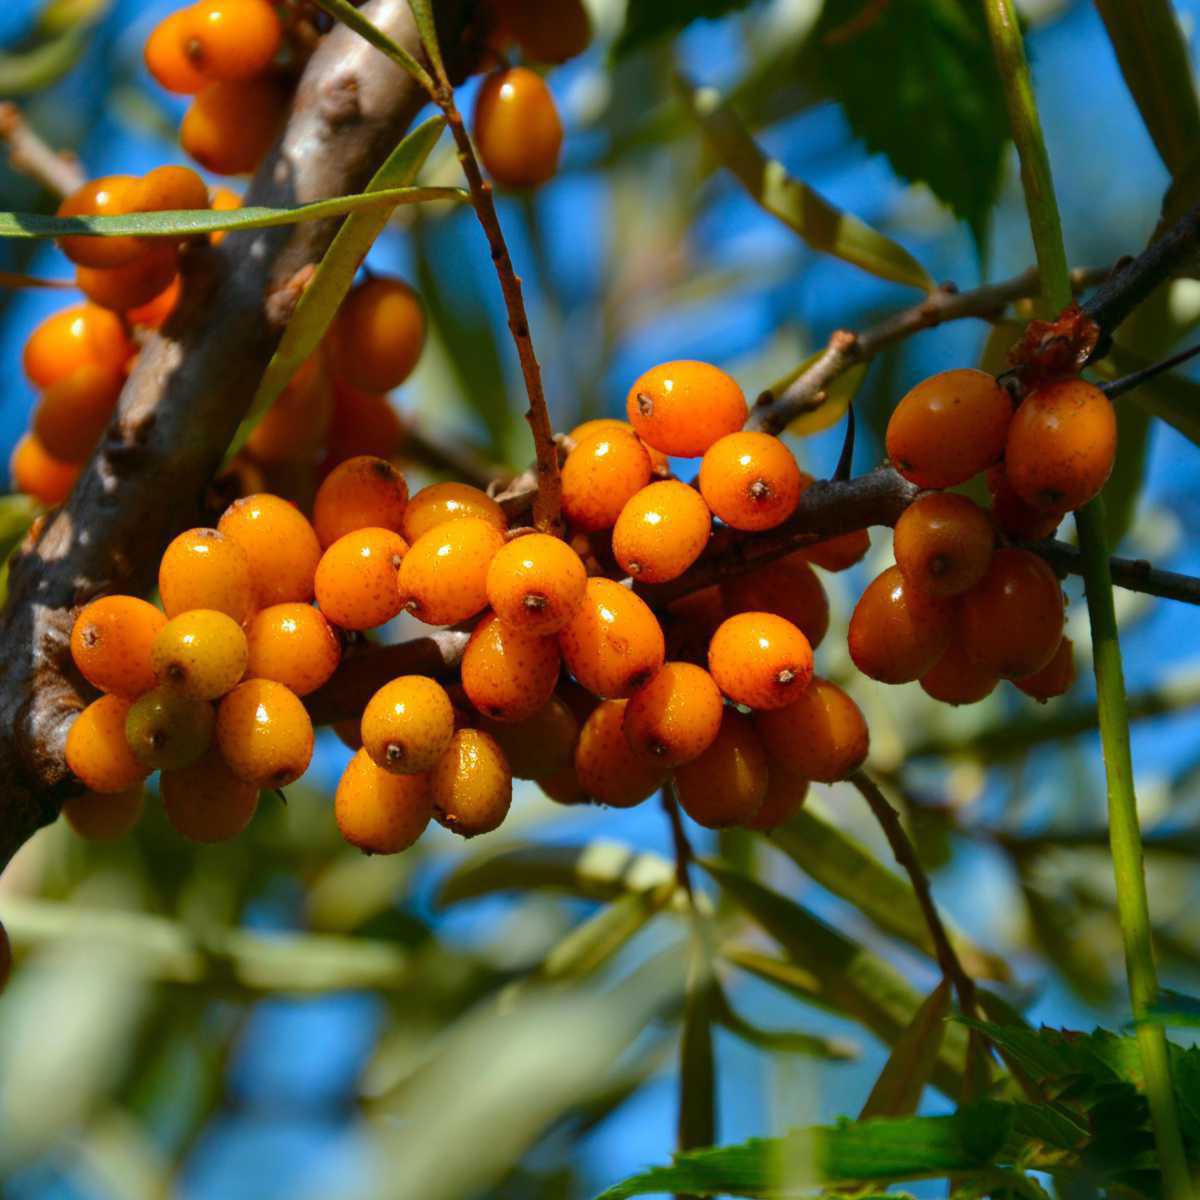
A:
(648, 20)
(897, 1091)
(351, 17)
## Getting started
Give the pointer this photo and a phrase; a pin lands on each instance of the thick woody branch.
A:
(58, 172)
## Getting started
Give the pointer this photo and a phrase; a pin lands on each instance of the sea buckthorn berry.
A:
(607, 767)
(72, 414)
(349, 733)
(675, 717)
(471, 784)
(71, 338)
(279, 542)
(1061, 445)
(105, 816)
(789, 588)
(517, 128)
(167, 58)
(1056, 678)
(230, 126)
(1013, 516)
(122, 288)
(727, 784)
(232, 39)
(167, 730)
(542, 744)
(1012, 619)
(293, 429)
(378, 812)
(377, 337)
(614, 643)
(661, 531)
(207, 802)
(563, 787)
(838, 553)
(155, 312)
(760, 660)
(957, 679)
(294, 645)
(363, 423)
(441, 502)
(821, 736)
(202, 653)
(222, 199)
(684, 407)
(658, 460)
(786, 793)
(109, 196)
(356, 578)
(536, 583)
(949, 427)
(37, 473)
(97, 751)
(600, 476)
(361, 492)
(443, 578)
(897, 633)
(548, 31)
(509, 674)
(264, 733)
(407, 724)
(202, 568)
(690, 623)
(944, 543)
(170, 189)
(111, 643)
(750, 480)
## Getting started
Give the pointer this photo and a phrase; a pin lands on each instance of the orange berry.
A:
(443, 578)
(230, 126)
(614, 643)
(97, 751)
(132, 285)
(207, 802)
(223, 199)
(293, 429)
(658, 460)
(264, 733)
(356, 578)
(750, 480)
(949, 427)
(957, 679)
(607, 768)
(349, 733)
(789, 588)
(441, 502)
(1061, 445)
(600, 476)
(675, 716)
(661, 531)
(201, 652)
(1013, 516)
(943, 543)
(82, 335)
(363, 423)
(1012, 619)
(377, 336)
(786, 793)
(760, 660)
(294, 645)
(73, 413)
(111, 644)
(407, 724)
(105, 816)
(154, 312)
(202, 568)
(563, 787)
(360, 492)
(822, 735)
(690, 623)
(167, 729)
(232, 39)
(471, 784)
(540, 745)
(170, 189)
(38, 474)
(109, 196)
(517, 128)
(1056, 678)
(897, 633)
(548, 31)
(508, 674)
(838, 553)
(378, 812)
(536, 583)
(167, 58)
(727, 784)
(684, 407)
(280, 544)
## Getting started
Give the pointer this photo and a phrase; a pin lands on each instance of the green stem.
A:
(1125, 837)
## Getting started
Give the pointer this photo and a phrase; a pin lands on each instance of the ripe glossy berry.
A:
(661, 531)
(167, 729)
(293, 429)
(109, 196)
(132, 285)
(563, 787)
(280, 544)
(614, 643)
(690, 622)
(607, 768)
(471, 784)
(202, 568)
(789, 588)
(1056, 678)
(71, 338)
(105, 816)
(1061, 445)
(441, 502)
(949, 427)
(517, 128)
(232, 39)
(1013, 516)
(727, 784)
(786, 793)
(838, 553)
(658, 460)
(750, 480)
(443, 578)
(407, 724)
(171, 188)
(548, 31)
(540, 745)
(360, 492)
(73, 413)
(508, 674)
(223, 199)
(294, 645)
(943, 543)
(363, 423)
(822, 735)
(97, 752)
(760, 660)
(37, 473)
(377, 337)
(264, 733)
(536, 583)
(201, 653)
(230, 126)
(897, 633)
(207, 802)
(1012, 619)
(379, 812)
(600, 476)
(167, 58)
(155, 312)
(675, 716)
(957, 679)
(684, 407)
(111, 643)
(356, 578)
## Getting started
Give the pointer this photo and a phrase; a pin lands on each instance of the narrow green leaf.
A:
(1174, 1008)
(351, 17)
(648, 20)
(422, 12)
(42, 66)
(697, 1121)
(782, 1041)
(897, 1091)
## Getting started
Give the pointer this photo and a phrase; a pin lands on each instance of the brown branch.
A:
(1132, 574)
(57, 171)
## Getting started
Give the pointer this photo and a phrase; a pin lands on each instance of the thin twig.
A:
(57, 171)
(684, 855)
(1132, 574)
(1127, 383)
